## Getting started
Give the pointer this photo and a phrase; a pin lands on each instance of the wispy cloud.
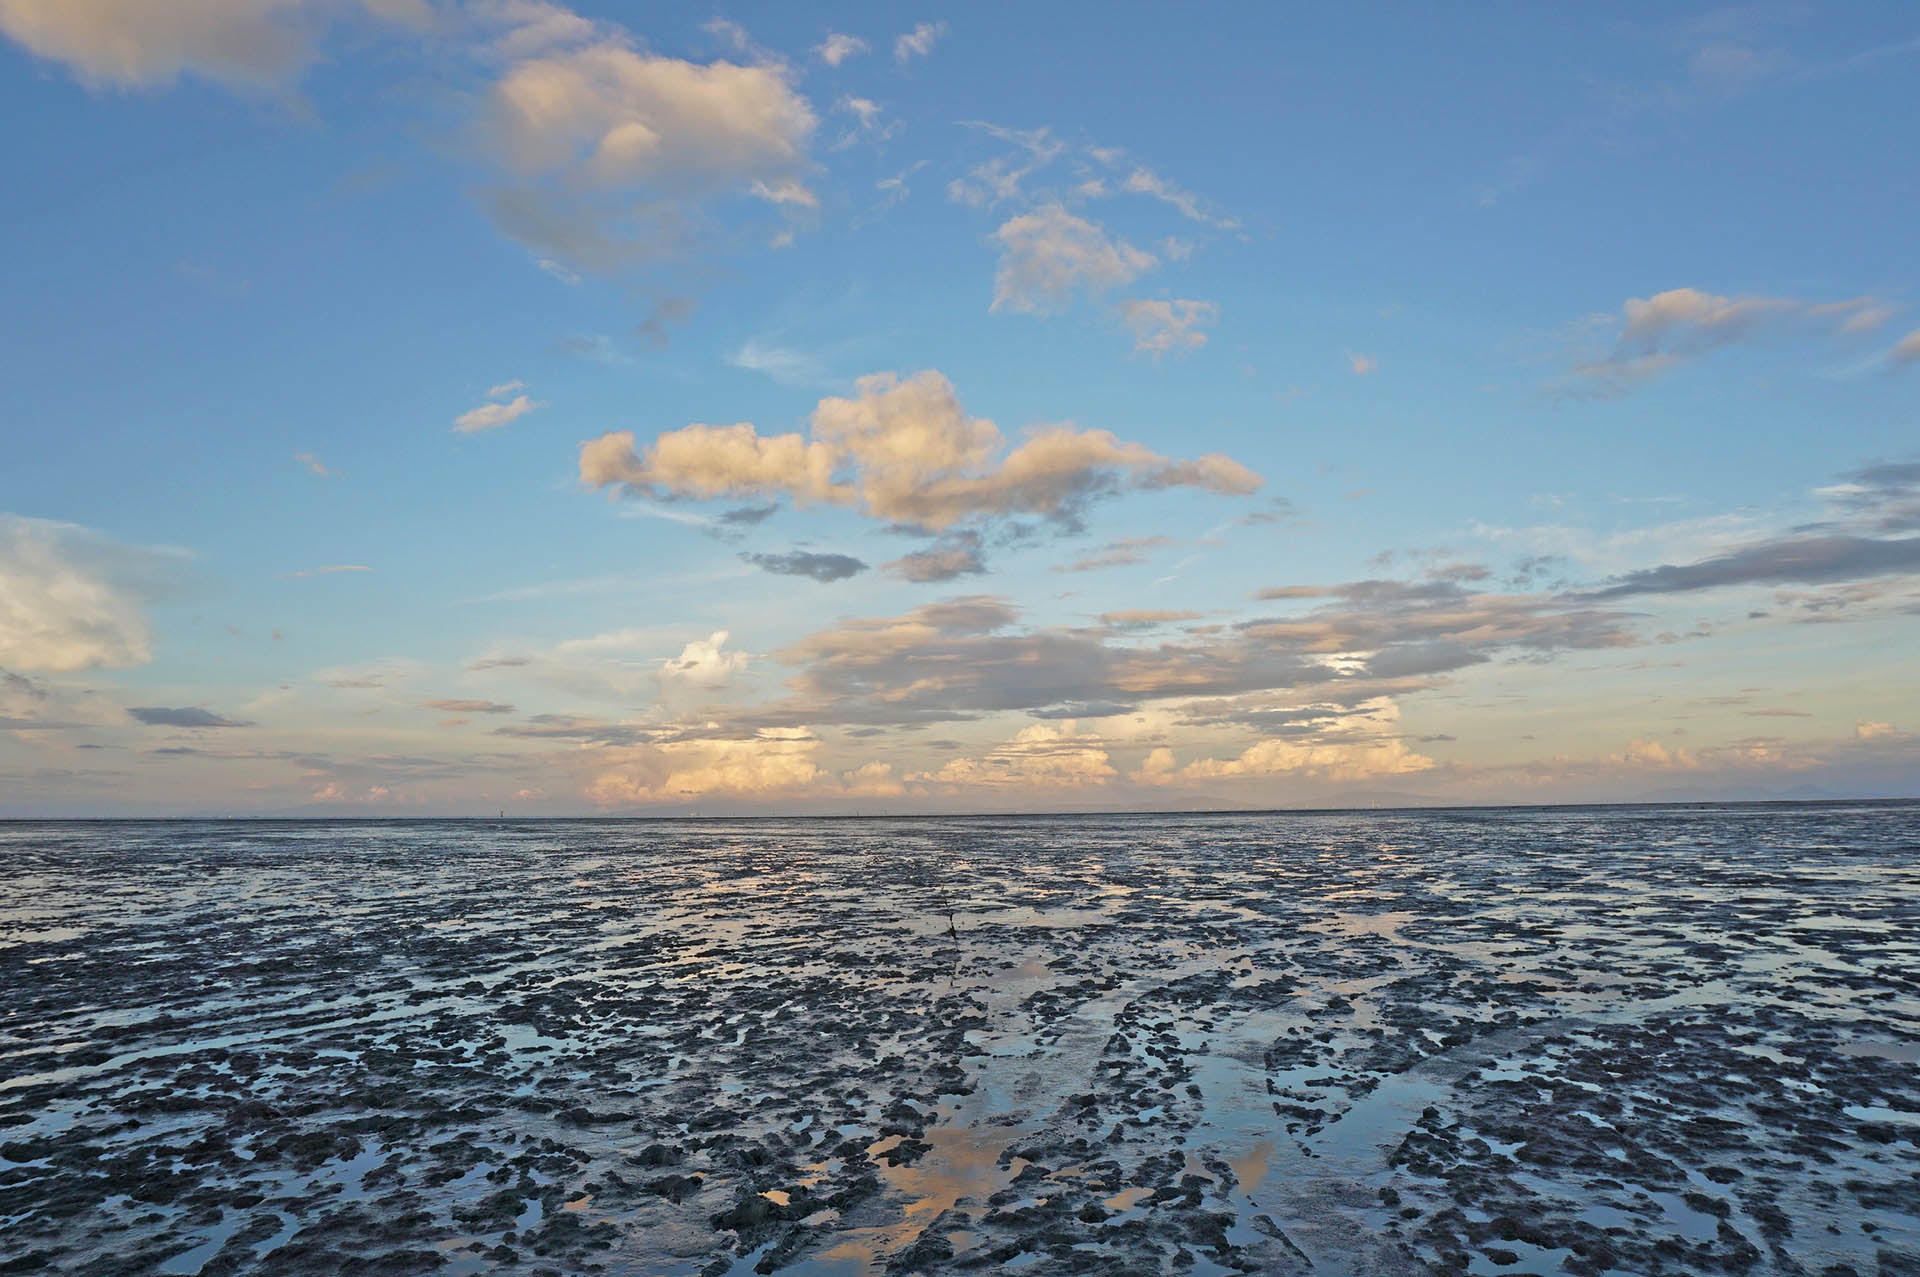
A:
(919, 42)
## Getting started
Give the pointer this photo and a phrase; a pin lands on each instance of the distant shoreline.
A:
(871, 817)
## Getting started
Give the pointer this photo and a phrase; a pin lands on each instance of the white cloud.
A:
(492, 416)
(870, 122)
(1160, 327)
(785, 190)
(702, 663)
(919, 42)
(313, 464)
(789, 367)
(1144, 181)
(1049, 255)
(70, 599)
(1361, 364)
(837, 48)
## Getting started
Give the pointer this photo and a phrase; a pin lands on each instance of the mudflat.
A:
(1609, 1040)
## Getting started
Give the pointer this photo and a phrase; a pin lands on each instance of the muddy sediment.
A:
(1680, 1040)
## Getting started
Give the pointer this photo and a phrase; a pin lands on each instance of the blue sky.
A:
(1062, 409)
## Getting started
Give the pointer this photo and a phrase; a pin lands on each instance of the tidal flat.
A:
(1606, 1040)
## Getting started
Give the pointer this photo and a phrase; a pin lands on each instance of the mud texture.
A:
(1630, 1041)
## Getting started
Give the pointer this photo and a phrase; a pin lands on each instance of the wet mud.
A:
(1629, 1041)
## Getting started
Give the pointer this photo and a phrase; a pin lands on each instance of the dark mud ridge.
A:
(1629, 1042)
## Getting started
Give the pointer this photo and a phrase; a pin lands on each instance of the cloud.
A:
(1001, 179)
(1048, 256)
(1883, 497)
(1123, 552)
(652, 330)
(1663, 331)
(1655, 756)
(774, 762)
(492, 416)
(1144, 618)
(870, 124)
(1361, 365)
(1144, 181)
(821, 567)
(71, 599)
(1160, 327)
(614, 148)
(704, 664)
(330, 569)
(312, 463)
(1906, 351)
(467, 707)
(250, 44)
(187, 716)
(1323, 760)
(919, 42)
(957, 556)
(837, 48)
(1040, 756)
(788, 367)
(965, 658)
(903, 450)
(1809, 560)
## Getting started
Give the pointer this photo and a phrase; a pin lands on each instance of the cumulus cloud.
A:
(1361, 365)
(1337, 760)
(252, 44)
(903, 450)
(919, 42)
(1042, 756)
(186, 716)
(821, 567)
(1652, 755)
(1659, 332)
(1162, 327)
(71, 599)
(615, 147)
(1050, 255)
(773, 762)
(703, 663)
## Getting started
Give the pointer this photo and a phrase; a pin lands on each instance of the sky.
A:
(425, 407)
